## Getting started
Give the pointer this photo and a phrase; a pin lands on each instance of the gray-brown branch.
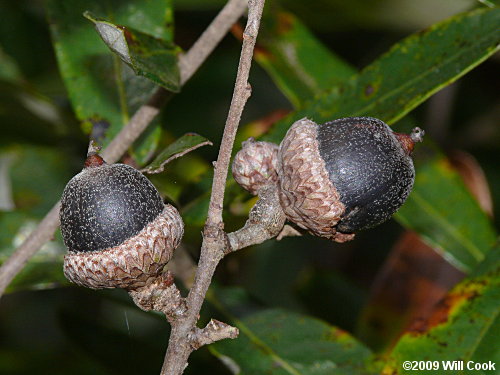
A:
(215, 241)
(161, 295)
(188, 64)
(265, 221)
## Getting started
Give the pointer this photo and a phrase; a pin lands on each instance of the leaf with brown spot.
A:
(445, 308)
(415, 277)
(464, 326)
(411, 282)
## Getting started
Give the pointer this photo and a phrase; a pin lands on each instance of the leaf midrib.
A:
(266, 349)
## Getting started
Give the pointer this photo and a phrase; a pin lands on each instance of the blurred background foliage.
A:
(375, 287)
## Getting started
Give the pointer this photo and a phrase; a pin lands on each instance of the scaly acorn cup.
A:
(254, 166)
(345, 175)
(118, 231)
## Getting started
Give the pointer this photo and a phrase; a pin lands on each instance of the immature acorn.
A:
(118, 231)
(255, 165)
(343, 176)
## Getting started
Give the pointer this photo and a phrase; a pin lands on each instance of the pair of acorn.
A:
(333, 180)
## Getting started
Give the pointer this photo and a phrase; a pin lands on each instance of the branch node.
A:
(161, 295)
(265, 221)
(214, 331)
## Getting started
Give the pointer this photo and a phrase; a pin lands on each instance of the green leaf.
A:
(409, 73)
(102, 89)
(195, 212)
(182, 174)
(185, 144)
(148, 56)
(282, 342)
(37, 176)
(449, 219)
(299, 64)
(145, 146)
(465, 326)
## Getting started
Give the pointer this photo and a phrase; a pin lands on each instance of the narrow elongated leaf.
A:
(281, 342)
(196, 211)
(102, 89)
(183, 145)
(464, 327)
(299, 64)
(148, 56)
(409, 73)
(445, 214)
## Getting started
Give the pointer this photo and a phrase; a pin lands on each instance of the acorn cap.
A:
(116, 227)
(132, 264)
(254, 166)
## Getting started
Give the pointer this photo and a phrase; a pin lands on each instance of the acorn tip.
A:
(93, 157)
(417, 135)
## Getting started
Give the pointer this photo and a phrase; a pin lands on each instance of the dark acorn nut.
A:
(254, 166)
(118, 231)
(345, 175)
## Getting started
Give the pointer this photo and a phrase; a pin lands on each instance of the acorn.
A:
(254, 166)
(343, 176)
(118, 231)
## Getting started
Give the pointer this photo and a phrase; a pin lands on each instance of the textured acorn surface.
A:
(369, 168)
(105, 205)
(254, 166)
(133, 263)
(306, 193)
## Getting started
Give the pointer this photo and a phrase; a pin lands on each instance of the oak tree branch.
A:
(215, 240)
